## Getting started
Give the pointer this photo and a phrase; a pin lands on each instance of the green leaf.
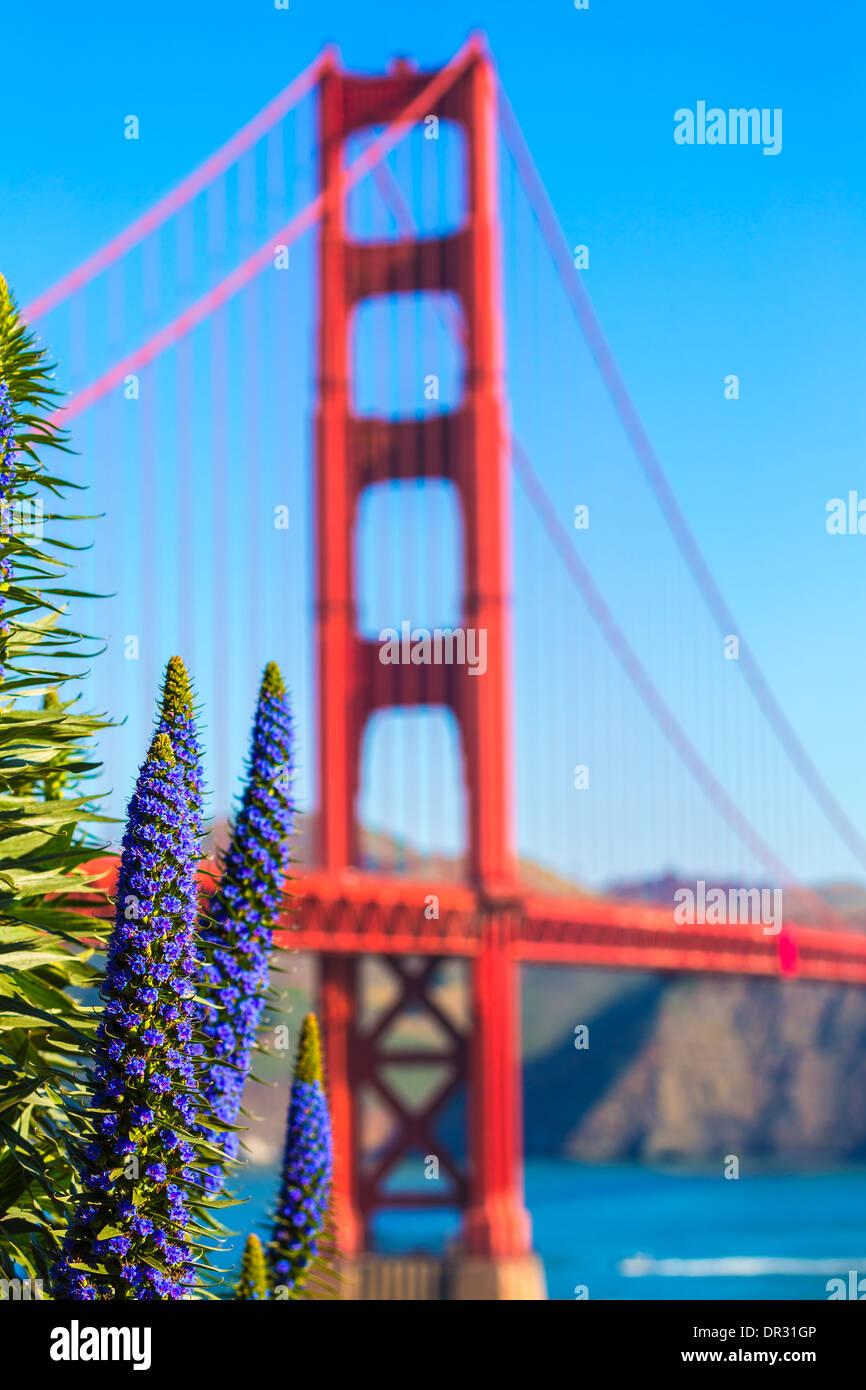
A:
(46, 755)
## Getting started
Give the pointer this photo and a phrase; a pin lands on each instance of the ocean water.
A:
(632, 1232)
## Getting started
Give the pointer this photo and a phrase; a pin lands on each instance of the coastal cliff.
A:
(703, 1068)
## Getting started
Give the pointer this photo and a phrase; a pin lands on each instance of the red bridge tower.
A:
(467, 447)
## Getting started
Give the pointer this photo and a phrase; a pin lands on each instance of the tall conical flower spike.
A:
(129, 1230)
(305, 1189)
(253, 1283)
(244, 910)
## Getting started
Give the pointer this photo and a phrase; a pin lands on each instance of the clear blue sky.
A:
(704, 262)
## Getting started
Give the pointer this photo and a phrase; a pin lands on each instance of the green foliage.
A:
(253, 1282)
(46, 1031)
(308, 1066)
(272, 681)
(176, 697)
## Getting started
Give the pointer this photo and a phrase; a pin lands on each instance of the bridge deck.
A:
(366, 914)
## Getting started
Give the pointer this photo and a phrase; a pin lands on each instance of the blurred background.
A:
(701, 263)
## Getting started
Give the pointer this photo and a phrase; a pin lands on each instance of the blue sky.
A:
(703, 262)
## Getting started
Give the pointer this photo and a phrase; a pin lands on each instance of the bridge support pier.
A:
(496, 1223)
(338, 1002)
(497, 1232)
(428, 1278)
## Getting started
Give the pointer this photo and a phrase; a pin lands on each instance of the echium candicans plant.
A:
(130, 1237)
(253, 1282)
(45, 764)
(301, 1217)
(237, 933)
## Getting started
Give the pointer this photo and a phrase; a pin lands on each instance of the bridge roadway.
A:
(359, 913)
(364, 914)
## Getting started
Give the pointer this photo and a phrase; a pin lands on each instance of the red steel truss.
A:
(361, 914)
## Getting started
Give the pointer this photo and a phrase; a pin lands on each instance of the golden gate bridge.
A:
(349, 911)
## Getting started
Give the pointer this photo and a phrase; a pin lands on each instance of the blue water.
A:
(587, 1220)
